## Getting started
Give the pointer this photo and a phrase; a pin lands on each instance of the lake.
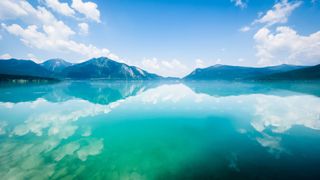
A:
(160, 130)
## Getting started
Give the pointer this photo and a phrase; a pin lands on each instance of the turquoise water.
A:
(157, 130)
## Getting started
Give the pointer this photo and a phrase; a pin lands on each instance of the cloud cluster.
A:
(279, 13)
(172, 68)
(287, 46)
(44, 31)
(89, 9)
(62, 8)
(282, 44)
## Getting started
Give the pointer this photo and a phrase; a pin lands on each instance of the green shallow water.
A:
(154, 130)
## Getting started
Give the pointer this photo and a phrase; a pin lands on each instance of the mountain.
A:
(226, 72)
(55, 65)
(23, 68)
(102, 67)
(107, 69)
(307, 73)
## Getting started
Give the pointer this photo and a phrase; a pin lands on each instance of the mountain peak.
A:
(56, 64)
(218, 65)
(103, 67)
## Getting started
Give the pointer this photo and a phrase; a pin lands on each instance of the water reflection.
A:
(273, 107)
(119, 130)
(41, 121)
(98, 92)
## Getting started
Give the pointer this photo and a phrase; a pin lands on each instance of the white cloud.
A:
(114, 57)
(285, 45)
(11, 9)
(45, 32)
(89, 9)
(200, 63)
(62, 8)
(36, 39)
(245, 29)
(33, 58)
(39, 16)
(239, 3)
(279, 13)
(172, 68)
(84, 28)
(5, 56)
(151, 63)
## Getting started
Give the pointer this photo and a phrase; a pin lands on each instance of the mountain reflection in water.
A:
(156, 130)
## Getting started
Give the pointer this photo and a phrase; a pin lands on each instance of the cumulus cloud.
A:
(239, 3)
(285, 45)
(279, 13)
(62, 8)
(39, 16)
(84, 28)
(5, 56)
(32, 37)
(33, 58)
(45, 31)
(11, 9)
(88, 9)
(172, 68)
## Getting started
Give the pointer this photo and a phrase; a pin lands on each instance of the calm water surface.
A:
(152, 130)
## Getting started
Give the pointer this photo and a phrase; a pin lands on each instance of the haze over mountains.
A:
(105, 68)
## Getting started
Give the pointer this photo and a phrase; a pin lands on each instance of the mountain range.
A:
(105, 68)
(280, 72)
(95, 68)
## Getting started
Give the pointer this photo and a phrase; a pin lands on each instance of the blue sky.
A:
(168, 37)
